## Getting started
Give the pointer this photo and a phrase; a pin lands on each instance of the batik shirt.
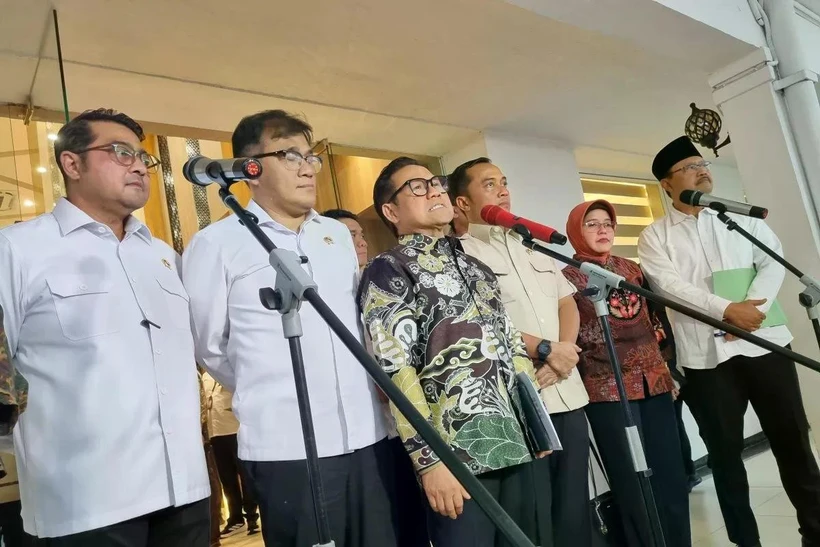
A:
(441, 332)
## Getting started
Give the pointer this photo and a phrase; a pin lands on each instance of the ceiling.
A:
(419, 76)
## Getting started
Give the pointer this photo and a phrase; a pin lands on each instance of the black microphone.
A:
(699, 199)
(204, 171)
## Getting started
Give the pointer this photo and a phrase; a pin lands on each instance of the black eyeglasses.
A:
(125, 155)
(421, 186)
(294, 160)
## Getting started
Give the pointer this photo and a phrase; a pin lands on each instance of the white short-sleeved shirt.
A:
(101, 330)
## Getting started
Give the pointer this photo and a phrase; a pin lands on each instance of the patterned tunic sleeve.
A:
(521, 360)
(13, 387)
(387, 302)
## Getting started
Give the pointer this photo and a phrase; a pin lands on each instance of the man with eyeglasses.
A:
(679, 254)
(440, 331)
(109, 450)
(243, 347)
(540, 302)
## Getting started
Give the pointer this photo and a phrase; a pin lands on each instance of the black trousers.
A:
(234, 482)
(409, 503)
(569, 478)
(357, 495)
(11, 524)
(655, 418)
(188, 525)
(523, 491)
(685, 445)
(718, 399)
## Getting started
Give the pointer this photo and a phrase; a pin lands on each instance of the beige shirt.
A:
(531, 286)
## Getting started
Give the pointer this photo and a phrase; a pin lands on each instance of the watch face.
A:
(544, 349)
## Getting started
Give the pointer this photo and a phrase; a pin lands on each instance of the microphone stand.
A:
(294, 285)
(809, 298)
(600, 283)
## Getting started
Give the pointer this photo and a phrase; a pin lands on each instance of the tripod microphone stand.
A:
(600, 282)
(809, 298)
(293, 286)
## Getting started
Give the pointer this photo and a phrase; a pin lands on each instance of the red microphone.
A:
(496, 216)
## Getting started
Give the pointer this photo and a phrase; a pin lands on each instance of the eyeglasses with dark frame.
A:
(294, 160)
(692, 167)
(125, 155)
(419, 186)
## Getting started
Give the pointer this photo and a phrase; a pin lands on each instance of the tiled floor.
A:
(775, 514)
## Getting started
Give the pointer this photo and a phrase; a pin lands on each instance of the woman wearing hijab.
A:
(636, 332)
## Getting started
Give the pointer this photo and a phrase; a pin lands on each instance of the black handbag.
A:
(606, 520)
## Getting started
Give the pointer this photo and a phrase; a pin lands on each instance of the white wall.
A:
(473, 148)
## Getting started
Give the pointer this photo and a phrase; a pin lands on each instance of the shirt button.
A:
(133, 281)
(83, 287)
(158, 351)
(100, 230)
(168, 432)
(164, 391)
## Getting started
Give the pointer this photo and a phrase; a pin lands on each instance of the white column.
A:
(755, 116)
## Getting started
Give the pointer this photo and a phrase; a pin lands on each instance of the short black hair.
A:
(248, 133)
(384, 187)
(459, 179)
(77, 135)
(338, 214)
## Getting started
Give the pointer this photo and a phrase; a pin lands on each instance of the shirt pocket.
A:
(176, 301)
(84, 305)
(546, 274)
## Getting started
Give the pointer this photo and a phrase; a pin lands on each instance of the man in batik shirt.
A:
(440, 330)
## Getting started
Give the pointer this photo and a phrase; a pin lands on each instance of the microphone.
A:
(699, 199)
(204, 171)
(496, 216)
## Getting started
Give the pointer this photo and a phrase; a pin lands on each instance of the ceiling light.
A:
(28, 203)
(52, 136)
(42, 169)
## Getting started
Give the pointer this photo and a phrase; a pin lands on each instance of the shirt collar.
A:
(71, 218)
(485, 232)
(677, 216)
(425, 243)
(264, 218)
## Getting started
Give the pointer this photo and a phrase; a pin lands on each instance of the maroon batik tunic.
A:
(636, 332)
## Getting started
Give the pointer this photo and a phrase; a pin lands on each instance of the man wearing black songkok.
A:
(680, 254)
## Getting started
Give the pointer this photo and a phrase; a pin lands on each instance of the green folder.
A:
(734, 285)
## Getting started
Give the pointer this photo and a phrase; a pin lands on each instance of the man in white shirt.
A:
(242, 345)
(109, 449)
(541, 305)
(679, 254)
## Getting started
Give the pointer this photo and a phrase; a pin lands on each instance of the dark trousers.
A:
(188, 525)
(523, 491)
(655, 418)
(409, 514)
(718, 399)
(685, 445)
(569, 477)
(357, 499)
(234, 482)
(11, 524)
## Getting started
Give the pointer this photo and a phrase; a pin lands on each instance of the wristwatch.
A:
(543, 350)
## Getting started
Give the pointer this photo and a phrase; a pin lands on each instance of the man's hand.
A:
(444, 492)
(546, 376)
(543, 454)
(563, 358)
(745, 315)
